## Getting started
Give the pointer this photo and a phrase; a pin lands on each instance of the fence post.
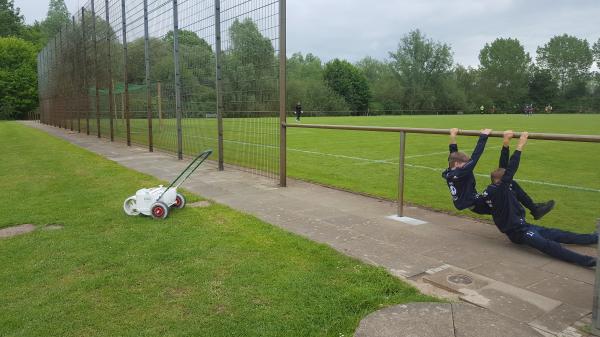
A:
(125, 78)
(86, 99)
(159, 104)
(75, 50)
(147, 79)
(177, 79)
(54, 107)
(401, 174)
(96, 68)
(111, 106)
(282, 95)
(596, 306)
(219, 86)
(60, 74)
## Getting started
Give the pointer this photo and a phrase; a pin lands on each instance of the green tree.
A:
(249, 70)
(11, 20)
(305, 84)
(57, 17)
(349, 82)
(596, 52)
(18, 73)
(422, 65)
(386, 88)
(567, 58)
(543, 89)
(504, 68)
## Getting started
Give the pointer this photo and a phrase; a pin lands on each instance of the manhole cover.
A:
(460, 279)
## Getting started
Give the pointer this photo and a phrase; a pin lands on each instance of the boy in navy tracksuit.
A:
(461, 180)
(509, 217)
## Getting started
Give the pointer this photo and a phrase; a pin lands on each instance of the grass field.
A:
(367, 162)
(201, 272)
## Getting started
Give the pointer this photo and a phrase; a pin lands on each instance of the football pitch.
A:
(367, 162)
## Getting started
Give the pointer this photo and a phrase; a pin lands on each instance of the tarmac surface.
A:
(499, 284)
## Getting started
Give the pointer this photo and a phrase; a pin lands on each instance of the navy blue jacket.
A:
(507, 212)
(461, 181)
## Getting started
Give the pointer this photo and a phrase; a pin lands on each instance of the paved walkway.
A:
(447, 256)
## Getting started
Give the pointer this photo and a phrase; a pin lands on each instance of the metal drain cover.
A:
(459, 279)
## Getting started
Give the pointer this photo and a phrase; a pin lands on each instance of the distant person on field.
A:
(509, 217)
(298, 111)
(461, 180)
(482, 109)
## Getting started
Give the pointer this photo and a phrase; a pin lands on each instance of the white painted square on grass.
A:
(407, 220)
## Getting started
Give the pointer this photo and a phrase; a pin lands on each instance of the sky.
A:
(353, 29)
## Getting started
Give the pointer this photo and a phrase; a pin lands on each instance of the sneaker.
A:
(542, 209)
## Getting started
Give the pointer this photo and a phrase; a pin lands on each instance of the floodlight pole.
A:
(85, 79)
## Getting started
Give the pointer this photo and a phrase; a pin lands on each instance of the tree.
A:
(504, 68)
(347, 81)
(543, 89)
(596, 52)
(18, 73)
(386, 88)
(567, 58)
(11, 20)
(305, 84)
(249, 70)
(57, 17)
(422, 65)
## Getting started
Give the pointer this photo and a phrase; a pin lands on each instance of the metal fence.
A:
(179, 75)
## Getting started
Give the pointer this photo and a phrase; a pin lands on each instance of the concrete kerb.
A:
(356, 225)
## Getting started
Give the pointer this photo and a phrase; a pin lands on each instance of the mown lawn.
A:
(201, 272)
(368, 161)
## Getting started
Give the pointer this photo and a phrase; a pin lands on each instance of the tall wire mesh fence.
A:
(178, 75)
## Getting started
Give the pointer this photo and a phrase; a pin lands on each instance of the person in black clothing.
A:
(298, 111)
(461, 180)
(509, 217)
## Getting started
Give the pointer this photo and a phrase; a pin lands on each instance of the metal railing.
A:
(404, 131)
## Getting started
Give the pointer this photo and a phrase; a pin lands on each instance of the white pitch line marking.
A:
(384, 161)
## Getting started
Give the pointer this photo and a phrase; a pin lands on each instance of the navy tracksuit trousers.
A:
(548, 240)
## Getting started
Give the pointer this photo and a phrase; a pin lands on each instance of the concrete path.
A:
(445, 255)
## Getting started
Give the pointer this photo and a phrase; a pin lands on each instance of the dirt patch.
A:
(16, 230)
(202, 203)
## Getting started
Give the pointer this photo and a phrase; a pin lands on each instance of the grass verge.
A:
(201, 272)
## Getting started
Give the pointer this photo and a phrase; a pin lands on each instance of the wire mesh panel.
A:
(250, 84)
(146, 71)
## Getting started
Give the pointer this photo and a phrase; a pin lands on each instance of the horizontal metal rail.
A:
(532, 135)
(404, 131)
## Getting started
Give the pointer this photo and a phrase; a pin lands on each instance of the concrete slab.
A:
(414, 320)
(440, 320)
(510, 306)
(471, 321)
(512, 273)
(571, 271)
(559, 319)
(456, 280)
(407, 220)
(576, 293)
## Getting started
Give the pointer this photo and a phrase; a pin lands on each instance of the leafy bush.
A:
(18, 78)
